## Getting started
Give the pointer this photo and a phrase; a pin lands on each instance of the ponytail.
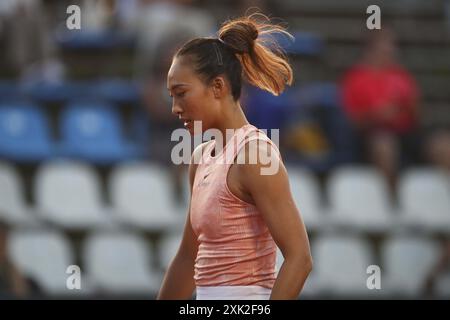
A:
(245, 49)
(264, 63)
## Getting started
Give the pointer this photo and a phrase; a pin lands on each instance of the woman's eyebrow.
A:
(176, 86)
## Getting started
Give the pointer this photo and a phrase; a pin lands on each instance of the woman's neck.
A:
(232, 118)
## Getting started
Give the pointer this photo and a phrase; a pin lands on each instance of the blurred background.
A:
(85, 124)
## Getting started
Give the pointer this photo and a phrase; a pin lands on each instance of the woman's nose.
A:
(176, 110)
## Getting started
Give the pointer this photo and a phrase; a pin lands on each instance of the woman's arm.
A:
(179, 282)
(272, 196)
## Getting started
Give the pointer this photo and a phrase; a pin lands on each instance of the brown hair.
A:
(245, 48)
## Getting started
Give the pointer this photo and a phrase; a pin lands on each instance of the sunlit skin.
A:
(213, 104)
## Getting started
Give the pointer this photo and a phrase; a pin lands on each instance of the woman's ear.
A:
(219, 87)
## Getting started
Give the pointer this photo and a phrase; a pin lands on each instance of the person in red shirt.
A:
(380, 98)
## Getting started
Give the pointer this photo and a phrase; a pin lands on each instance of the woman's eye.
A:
(180, 95)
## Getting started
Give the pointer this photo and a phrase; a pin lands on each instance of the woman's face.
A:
(192, 100)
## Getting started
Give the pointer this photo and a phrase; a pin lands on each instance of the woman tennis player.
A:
(237, 215)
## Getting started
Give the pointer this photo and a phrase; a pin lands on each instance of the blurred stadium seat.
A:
(406, 262)
(13, 208)
(69, 39)
(9, 90)
(442, 286)
(304, 43)
(24, 134)
(44, 257)
(68, 194)
(119, 263)
(117, 91)
(359, 199)
(424, 197)
(140, 132)
(307, 196)
(111, 90)
(52, 92)
(324, 94)
(310, 288)
(168, 248)
(142, 196)
(340, 263)
(94, 133)
(265, 110)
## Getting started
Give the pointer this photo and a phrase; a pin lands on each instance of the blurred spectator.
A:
(30, 50)
(161, 20)
(99, 15)
(13, 284)
(127, 11)
(315, 131)
(381, 98)
(104, 15)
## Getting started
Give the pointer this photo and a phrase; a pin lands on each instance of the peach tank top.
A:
(235, 246)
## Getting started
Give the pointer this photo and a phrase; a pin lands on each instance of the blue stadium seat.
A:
(24, 134)
(93, 132)
(60, 92)
(74, 39)
(323, 94)
(111, 90)
(140, 131)
(304, 43)
(118, 91)
(9, 90)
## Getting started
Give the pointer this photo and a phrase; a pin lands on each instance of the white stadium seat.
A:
(359, 199)
(407, 260)
(142, 195)
(424, 198)
(120, 263)
(306, 193)
(69, 195)
(340, 264)
(45, 257)
(168, 248)
(13, 208)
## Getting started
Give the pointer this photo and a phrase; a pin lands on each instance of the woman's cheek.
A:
(193, 110)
